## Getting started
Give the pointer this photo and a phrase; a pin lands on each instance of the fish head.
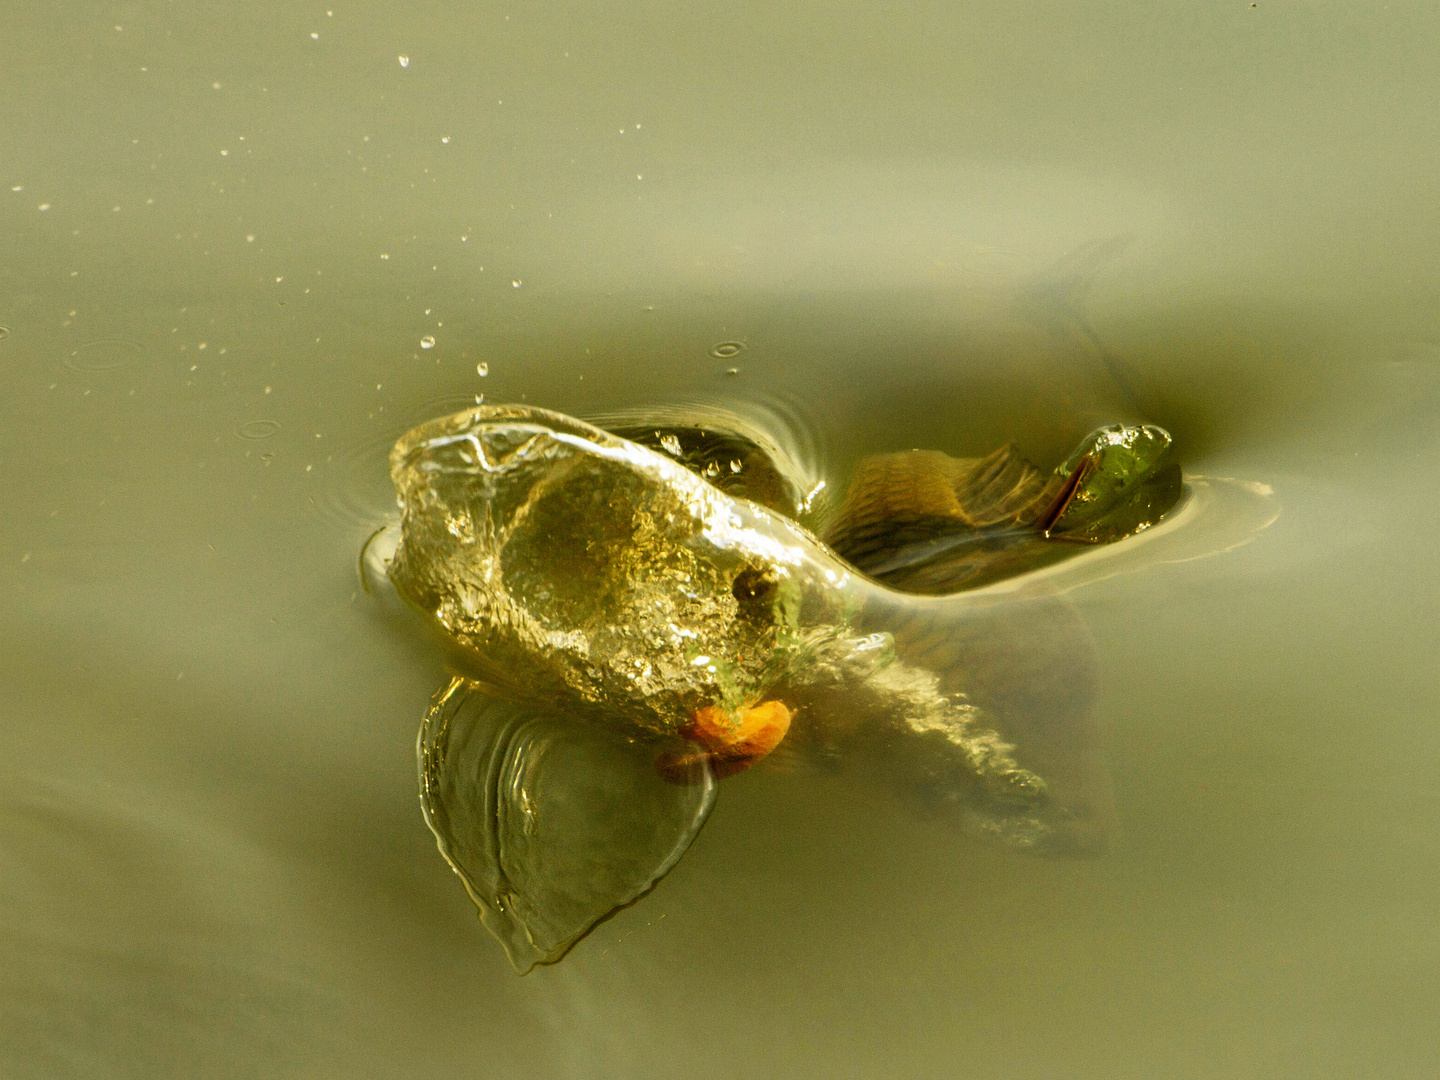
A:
(574, 567)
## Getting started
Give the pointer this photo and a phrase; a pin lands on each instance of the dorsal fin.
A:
(951, 517)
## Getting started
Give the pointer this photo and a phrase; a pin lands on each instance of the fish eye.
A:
(755, 585)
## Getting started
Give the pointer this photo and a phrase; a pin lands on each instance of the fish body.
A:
(649, 594)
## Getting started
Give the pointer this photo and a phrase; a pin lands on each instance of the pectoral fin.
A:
(551, 823)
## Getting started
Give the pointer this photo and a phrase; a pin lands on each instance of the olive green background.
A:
(224, 232)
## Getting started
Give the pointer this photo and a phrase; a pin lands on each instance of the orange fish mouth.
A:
(730, 746)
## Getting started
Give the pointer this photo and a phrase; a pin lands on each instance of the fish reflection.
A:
(627, 633)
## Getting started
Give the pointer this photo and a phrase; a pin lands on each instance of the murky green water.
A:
(227, 236)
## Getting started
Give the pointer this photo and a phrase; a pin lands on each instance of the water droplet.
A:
(810, 497)
(427, 342)
(44, 206)
(482, 369)
(726, 349)
(314, 37)
(735, 465)
(258, 429)
(516, 283)
(404, 60)
(445, 139)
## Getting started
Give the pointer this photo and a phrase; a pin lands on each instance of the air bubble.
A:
(4, 332)
(427, 342)
(726, 349)
(404, 60)
(107, 354)
(258, 429)
(735, 465)
(671, 443)
(482, 369)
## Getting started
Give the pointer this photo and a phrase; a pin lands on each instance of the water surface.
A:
(227, 235)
